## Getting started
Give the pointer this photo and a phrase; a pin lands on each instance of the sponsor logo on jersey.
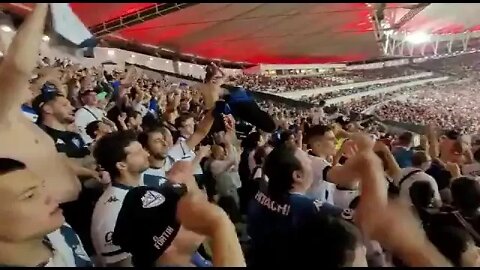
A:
(112, 199)
(152, 199)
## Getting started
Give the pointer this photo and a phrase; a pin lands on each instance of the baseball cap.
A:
(147, 223)
(48, 92)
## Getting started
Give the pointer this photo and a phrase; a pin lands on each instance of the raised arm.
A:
(210, 93)
(432, 138)
(393, 169)
(20, 61)
(391, 224)
(201, 131)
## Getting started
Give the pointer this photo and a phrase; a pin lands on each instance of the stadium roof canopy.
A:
(264, 32)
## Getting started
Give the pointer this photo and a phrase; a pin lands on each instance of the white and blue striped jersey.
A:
(67, 249)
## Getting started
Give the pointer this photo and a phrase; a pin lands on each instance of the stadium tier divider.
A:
(257, 95)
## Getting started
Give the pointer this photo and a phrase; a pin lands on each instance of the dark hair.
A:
(91, 128)
(418, 158)
(8, 165)
(451, 242)
(342, 238)
(315, 132)
(144, 135)
(421, 194)
(285, 136)
(182, 118)
(131, 113)
(260, 155)
(452, 134)
(466, 193)
(110, 149)
(405, 138)
(279, 166)
(149, 121)
(251, 141)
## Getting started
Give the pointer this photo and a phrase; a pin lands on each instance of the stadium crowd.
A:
(111, 169)
(278, 84)
(451, 107)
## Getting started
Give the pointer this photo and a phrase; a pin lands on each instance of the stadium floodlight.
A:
(418, 38)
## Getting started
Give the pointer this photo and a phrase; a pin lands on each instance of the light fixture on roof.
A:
(6, 28)
(418, 38)
(166, 61)
(191, 65)
(133, 55)
(111, 52)
(45, 38)
(151, 58)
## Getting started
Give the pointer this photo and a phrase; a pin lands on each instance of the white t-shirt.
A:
(472, 170)
(174, 154)
(67, 249)
(317, 116)
(321, 189)
(85, 116)
(227, 170)
(407, 183)
(190, 155)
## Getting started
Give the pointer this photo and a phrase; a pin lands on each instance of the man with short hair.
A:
(124, 158)
(275, 214)
(33, 232)
(402, 152)
(88, 113)
(97, 129)
(328, 179)
(38, 150)
(416, 173)
(160, 213)
(163, 156)
(55, 114)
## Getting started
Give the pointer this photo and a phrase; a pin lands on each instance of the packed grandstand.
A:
(360, 153)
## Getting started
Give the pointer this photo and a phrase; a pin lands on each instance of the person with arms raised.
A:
(38, 150)
(275, 213)
(160, 213)
(163, 155)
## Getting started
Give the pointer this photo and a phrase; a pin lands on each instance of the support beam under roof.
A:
(410, 14)
(137, 17)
